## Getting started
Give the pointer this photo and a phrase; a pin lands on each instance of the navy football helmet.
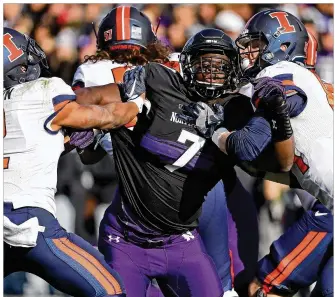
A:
(124, 27)
(23, 58)
(208, 61)
(269, 37)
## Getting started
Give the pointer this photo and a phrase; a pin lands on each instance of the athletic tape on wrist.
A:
(216, 135)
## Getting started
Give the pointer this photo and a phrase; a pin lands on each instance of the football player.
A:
(283, 89)
(159, 188)
(288, 266)
(36, 107)
(114, 56)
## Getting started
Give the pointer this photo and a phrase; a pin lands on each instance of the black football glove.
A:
(269, 94)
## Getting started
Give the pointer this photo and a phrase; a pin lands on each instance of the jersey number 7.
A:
(198, 143)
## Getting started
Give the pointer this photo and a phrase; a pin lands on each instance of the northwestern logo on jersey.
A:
(175, 119)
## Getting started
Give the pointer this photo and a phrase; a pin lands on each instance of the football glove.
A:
(81, 139)
(204, 118)
(133, 83)
(269, 94)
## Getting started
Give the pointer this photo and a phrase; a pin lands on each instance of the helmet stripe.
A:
(311, 50)
(126, 20)
(119, 22)
(123, 22)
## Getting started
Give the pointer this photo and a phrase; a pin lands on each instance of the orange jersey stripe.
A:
(126, 22)
(302, 248)
(60, 244)
(301, 257)
(119, 23)
(118, 73)
(288, 82)
(97, 264)
(6, 162)
(329, 90)
(232, 274)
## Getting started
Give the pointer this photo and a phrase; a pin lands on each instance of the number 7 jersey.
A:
(165, 168)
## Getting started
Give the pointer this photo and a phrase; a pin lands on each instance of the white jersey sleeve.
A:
(100, 73)
(104, 72)
(97, 74)
(31, 150)
(313, 131)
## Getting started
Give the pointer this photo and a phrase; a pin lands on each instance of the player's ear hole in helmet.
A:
(24, 60)
(208, 60)
(126, 35)
(269, 37)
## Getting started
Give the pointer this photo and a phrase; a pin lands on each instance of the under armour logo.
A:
(274, 124)
(117, 238)
(188, 236)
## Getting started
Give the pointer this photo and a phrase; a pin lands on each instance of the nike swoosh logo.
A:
(130, 95)
(319, 214)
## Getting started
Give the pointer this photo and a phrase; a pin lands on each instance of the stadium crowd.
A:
(66, 34)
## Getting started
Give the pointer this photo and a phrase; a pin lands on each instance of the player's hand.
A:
(268, 90)
(204, 118)
(82, 139)
(133, 84)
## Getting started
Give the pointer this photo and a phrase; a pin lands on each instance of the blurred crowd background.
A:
(66, 34)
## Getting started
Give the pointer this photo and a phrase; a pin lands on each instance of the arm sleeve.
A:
(60, 91)
(296, 98)
(78, 79)
(59, 94)
(247, 144)
(296, 104)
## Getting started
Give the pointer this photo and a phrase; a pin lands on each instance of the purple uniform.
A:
(165, 170)
(139, 255)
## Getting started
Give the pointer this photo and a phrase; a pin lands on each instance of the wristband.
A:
(139, 101)
(280, 120)
(217, 134)
(281, 128)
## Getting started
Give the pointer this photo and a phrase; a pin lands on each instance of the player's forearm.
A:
(99, 95)
(284, 151)
(245, 144)
(119, 114)
(110, 116)
(219, 137)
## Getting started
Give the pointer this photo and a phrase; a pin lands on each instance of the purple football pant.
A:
(178, 261)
